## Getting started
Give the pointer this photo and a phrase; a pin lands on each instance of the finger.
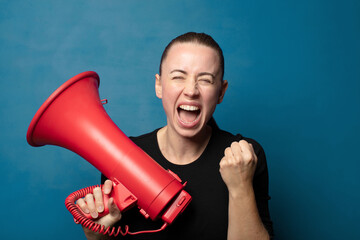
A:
(113, 216)
(113, 209)
(251, 148)
(229, 154)
(83, 205)
(243, 144)
(107, 186)
(237, 151)
(253, 152)
(246, 150)
(99, 202)
(222, 162)
(89, 198)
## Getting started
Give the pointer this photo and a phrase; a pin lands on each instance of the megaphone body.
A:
(73, 117)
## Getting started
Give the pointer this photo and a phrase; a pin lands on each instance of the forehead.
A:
(192, 57)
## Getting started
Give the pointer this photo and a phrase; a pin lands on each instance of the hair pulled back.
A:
(199, 38)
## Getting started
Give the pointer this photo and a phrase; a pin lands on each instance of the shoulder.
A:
(146, 141)
(227, 138)
(222, 135)
(144, 137)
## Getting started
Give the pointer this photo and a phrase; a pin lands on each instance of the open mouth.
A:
(188, 114)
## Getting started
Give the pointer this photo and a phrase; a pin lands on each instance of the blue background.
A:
(294, 85)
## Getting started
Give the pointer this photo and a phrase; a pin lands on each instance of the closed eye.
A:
(205, 81)
(177, 77)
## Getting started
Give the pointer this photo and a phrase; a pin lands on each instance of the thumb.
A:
(113, 216)
(113, 209)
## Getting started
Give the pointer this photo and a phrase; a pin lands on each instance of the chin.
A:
(191, 132)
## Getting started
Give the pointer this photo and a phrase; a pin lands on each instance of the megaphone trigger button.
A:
(181, 201)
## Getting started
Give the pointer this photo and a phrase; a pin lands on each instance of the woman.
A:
(227, 175)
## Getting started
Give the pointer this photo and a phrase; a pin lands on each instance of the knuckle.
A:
(97, 193)
(222, 163)
(234, 144)
(89, 196)
(108, 181)
(226, 162)
(98, 200)
(80, 202)
(234, 164)
(228, 151)
(248, 157)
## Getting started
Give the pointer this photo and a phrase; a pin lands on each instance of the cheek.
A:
(211, 97)
(168, 98)
(209, 106)
(167, 93)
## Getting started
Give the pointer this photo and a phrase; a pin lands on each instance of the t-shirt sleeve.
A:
(261, 185)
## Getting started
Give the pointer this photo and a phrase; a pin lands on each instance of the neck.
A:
(181, 150)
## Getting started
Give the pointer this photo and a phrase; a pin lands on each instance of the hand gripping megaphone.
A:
(73, 117)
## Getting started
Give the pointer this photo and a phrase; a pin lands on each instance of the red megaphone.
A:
(73, 117)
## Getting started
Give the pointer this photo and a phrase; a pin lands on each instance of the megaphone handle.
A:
(80, 218)
(106, 209)
(123, 199)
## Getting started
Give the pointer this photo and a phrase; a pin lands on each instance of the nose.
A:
(191, 88)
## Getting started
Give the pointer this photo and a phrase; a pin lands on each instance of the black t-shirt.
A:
(206, 217)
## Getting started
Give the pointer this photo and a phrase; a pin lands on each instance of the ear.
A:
(158, 86)
(224, 86)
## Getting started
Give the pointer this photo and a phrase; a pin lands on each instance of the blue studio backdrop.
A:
(294, 85)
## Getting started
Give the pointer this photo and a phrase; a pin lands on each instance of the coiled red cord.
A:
(80, 218)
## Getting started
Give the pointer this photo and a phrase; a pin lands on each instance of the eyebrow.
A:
(206, 73)
(199, 75)
(178, 70)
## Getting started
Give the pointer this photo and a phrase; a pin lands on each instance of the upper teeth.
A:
(189, 108)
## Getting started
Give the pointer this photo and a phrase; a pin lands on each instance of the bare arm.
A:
(237, 169)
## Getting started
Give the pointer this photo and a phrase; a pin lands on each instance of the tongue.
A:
(188, 116)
